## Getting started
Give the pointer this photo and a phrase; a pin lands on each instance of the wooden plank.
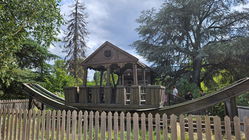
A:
(38, 123)
(150, 126)
(103, 126)
(1, 121)
(43, 121)
(96, 135)
(12, 123)
(58, 127)
(237, 127)
(63, 124)
(91, 125)
(116, 126)
(48, 124)
(165, 127)
(85, 125)
(80, 125)
(53, 124)
(143, 126)
(29, 124)
(74, 116)
(16, 123)
(207, 128)
(20, 124)
(33, 125)
(158, 129)
(190, 127)
(135, 126)
(109, 126)
(122, 125)
(246, 127)
(227, 128)
(173, 127)
(24, 130)
(8, 124)
(217, 128)
(182, 127)
(128, 126)
(68, 124)
(199, 127)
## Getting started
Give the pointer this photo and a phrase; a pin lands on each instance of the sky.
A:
(109, 20)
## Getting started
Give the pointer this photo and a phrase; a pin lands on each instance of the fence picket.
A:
(68, 124)
(48, 124)
(135, 126)
(246, 127)
(38, 123)
(217, 128)
(182, 127)
(122, 126)
(30, 113)
(12, 123)
(24, 125)
(96, 135)
(143, 126)
(74, 116)
(85, 124)
(199, 127)
(227, 128)
(33, 125)
(91, 126)
(128, 126)
(43, 124)
(150, 126)
(1, 114)
(103, 125)
(158, 129)
(8, 124)
(53, 124)
(63, 124)
(173, 127)
(237, 128)
(58, 128)
(109, 126)
(190, 127)
(115, 126)
(16, 123)
(207, 128)
(20, 124)
(165, 127)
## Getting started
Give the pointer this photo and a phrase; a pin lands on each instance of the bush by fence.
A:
(60, 125)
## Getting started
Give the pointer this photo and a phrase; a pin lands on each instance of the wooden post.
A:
(144, 76)
(231, 107)
(121, 95)
(108, 75)
(135, 81)
(135, 95)
(123, 79)
(85, 77)
(101, 78)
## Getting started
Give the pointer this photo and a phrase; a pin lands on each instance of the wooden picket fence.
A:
(61, 125)
(14, 104)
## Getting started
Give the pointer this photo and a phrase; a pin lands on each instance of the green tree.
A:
(75, 46)
(59, 78)
(22, 23)
(177, 37)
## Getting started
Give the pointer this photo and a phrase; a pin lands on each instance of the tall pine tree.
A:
(75, 46)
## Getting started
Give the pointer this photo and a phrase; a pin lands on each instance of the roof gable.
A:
(108, 53)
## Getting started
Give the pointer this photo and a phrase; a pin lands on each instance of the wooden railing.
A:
(14, 104)
(139, 96)
(57, 124)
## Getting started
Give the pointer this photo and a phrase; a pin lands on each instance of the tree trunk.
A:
(197, 71)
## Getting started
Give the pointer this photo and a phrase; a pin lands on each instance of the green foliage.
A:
(59, 78)
(184, 86)
(75, 43)
(21, 22)
(177, 36)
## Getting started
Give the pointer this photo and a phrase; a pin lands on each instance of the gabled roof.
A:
(119, 56)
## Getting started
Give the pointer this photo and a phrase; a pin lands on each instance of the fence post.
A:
(143, 125)
(122, 125)
(190, 127)
(58, 129)
(199, 127)
(96, 125)
(85, 124)
(207, 128)
(103, 125)
(227, 128)
(173, 127)
(80, 125)
(217, 128)
(91, 125)
(33, 124)
(165, 127)
(115, 126)
(128, 125)
(246, 127)
(53, 124)
(48, 124)
(109, 125)
(135, 126)
(182, 127)
(237, 127)
(158, 130)
(150, 126)
(74, 117)
(63, 124)
(68, 124)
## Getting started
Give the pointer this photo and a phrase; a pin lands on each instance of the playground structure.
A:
(132, 91)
